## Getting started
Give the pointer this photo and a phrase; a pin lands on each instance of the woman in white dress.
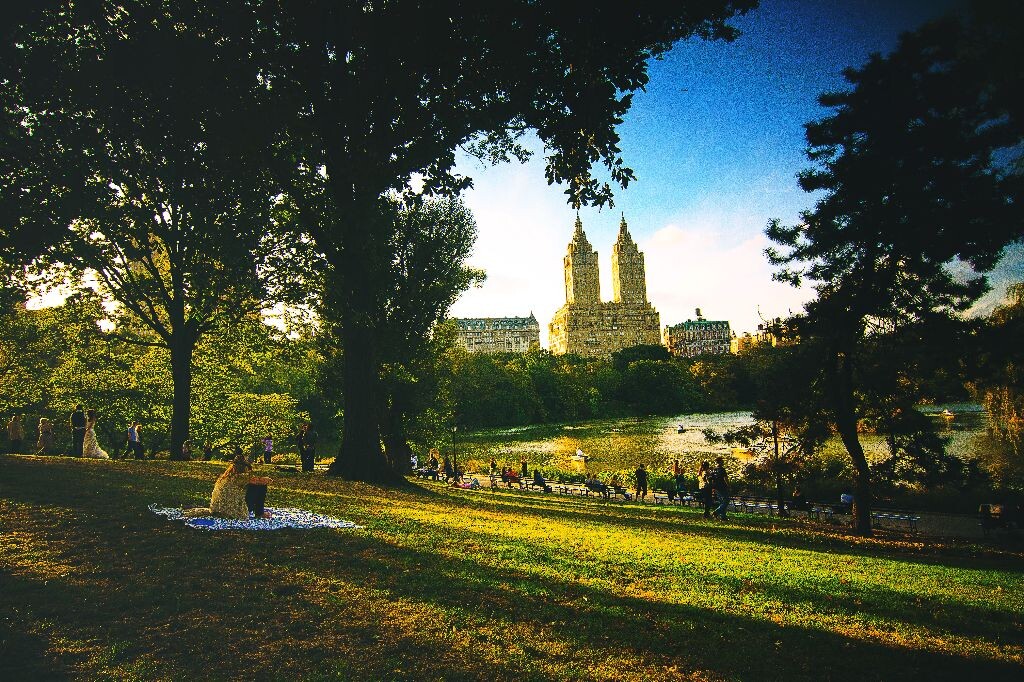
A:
(91, 448)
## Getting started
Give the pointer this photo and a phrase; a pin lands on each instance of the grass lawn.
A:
(452, 584)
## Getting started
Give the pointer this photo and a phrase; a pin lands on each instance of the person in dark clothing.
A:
(307, 446)
(433, 466)
(538, 480)
(525, 471)
(596, 486)
(704, 487)
(449, 470)
(720, 484)
(77, 430)
(798, 502)
(641, 482)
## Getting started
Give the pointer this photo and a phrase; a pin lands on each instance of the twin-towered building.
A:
(588, 326)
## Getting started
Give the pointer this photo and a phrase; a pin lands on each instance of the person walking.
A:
(47, 443)
(16, 434)
(704, 487)
(268, 449)
(135, 441)
(720, 483)
(77, 431)
(307, 446)
(641, 482)
(90, 446)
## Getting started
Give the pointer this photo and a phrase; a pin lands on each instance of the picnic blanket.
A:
(280, 517)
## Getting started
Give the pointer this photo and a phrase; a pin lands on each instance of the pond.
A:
(617, 444)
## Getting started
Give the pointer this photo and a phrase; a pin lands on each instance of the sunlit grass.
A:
(453, 584)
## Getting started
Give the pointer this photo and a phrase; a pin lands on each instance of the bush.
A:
(285, 458)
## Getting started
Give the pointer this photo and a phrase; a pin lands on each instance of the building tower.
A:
(589, 327)
(629, 283)
(582, 284)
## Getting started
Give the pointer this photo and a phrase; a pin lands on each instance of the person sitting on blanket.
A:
(228, 499)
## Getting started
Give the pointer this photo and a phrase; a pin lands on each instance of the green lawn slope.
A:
(452, 584)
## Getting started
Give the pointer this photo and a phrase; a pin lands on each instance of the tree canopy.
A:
(918, 173)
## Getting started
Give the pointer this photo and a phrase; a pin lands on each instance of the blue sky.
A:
(716, 142)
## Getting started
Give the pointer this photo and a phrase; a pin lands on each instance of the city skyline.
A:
(716, 142)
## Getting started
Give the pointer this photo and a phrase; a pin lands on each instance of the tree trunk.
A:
(360, 457)
(779, 497)
(396, 444)
(846, 424)
(181, 348)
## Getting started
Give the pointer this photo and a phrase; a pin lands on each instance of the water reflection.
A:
(615, 444)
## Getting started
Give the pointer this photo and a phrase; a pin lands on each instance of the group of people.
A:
(84, 442)
(46, 443)
(713, 482)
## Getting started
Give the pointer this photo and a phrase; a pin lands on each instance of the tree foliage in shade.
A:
(423, 265)
(372, 93)
(132, 156)
(790, 423)
(998, 378)
(918, 172)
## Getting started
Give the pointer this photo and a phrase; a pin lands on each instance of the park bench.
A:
(896, 517)
(497, 482)
(319, 466)
(615, 491)
(680, 499)
(573, 489)
(821, 512)
(529, 484)
(997, 516)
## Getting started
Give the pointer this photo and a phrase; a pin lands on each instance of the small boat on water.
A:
(946, 414)
(680, 428)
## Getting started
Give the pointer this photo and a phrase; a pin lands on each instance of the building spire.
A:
(579, 225)
(623, 230)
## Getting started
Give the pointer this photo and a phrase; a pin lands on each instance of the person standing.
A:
(77, 431)
(704, 487)
(90, 446)
(135, 441)
(307, 446)
(641, 482)
(720, 483)
(47, 443)
(16, 434)
(525, 471)
(268, 449)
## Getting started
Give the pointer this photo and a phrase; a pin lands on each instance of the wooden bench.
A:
(679, 499)
(900, 518)
(821, 512)
(615, 491)
(572, 489)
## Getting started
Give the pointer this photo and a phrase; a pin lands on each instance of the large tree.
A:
(132, 156)
(916, 173)
(382, 91)
(424, 263)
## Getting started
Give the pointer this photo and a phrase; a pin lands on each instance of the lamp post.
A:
(455, 461)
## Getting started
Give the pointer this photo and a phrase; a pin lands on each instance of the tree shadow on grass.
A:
(756, 529)
(24, 655)
(847, 600)
(593, 624)
(197, 600)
